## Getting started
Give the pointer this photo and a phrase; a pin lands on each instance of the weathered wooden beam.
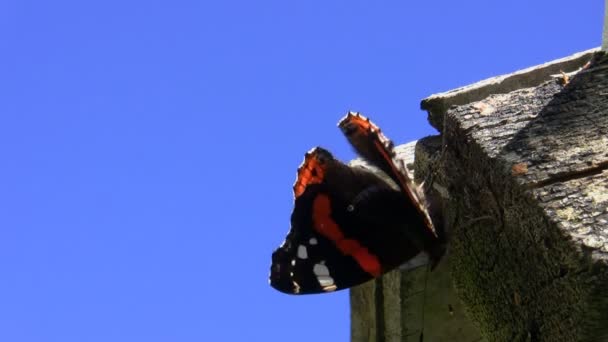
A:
(392, 308)
(436, 105)
(521, 174)
(527, 176)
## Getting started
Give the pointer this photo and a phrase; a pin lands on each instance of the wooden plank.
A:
(526, 172)
(436, 105)
(396, 312)
(522, 183)
(363, 313)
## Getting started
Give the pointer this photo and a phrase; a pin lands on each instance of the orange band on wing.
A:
(310, 172)
(325, 225)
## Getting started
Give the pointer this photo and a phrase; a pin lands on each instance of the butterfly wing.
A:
(309, 261)
(371, 144)
(347, 227)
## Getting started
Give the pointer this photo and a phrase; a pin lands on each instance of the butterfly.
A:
(348, 225)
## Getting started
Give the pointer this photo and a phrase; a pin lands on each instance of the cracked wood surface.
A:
(436, 105)
(527, 176)
(521, 171)
(560, 135)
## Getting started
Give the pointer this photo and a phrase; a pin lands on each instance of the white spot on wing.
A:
(323, 277)
(325, 281)
(293, 262)
(312, 241)
(302, 252)
(330, 288)
(320, 270)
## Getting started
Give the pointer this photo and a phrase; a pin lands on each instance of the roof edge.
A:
(437, 104)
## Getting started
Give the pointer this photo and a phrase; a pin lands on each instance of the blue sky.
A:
(149, 148)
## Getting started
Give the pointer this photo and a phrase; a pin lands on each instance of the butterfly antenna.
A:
(426, 278)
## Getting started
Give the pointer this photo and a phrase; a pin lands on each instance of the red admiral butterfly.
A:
(348, 225)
